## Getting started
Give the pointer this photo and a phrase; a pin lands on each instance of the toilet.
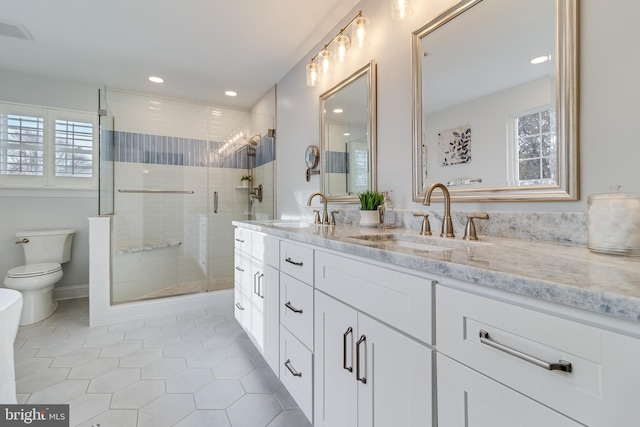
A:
(44, 251)
(10, 306)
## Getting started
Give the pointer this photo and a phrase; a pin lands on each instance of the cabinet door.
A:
(270, 285)
(335, 396)
(257, 304)
(394, 377)
(468, 398)
(242, 309)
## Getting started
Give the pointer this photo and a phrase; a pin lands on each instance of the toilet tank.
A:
(46, 245)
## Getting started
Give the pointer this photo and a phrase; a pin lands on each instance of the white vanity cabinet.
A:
(296, 323)
(368, 372)
(256, 281)
(501, 364)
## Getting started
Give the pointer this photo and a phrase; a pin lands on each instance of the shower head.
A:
(253, 140)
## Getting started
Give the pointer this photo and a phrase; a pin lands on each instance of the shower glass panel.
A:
(177, 166)
(105, 195)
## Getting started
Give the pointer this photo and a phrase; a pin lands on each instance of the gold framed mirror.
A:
(488, 122)
(348, 136)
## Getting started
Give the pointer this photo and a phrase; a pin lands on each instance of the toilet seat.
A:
(34, 270)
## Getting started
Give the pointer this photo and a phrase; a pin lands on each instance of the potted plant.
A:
(369, 202)
(244, 180)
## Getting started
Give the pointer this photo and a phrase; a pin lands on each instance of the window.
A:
(47, 147)
(533, 148)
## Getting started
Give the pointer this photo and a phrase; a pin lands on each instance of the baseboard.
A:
(71, 292)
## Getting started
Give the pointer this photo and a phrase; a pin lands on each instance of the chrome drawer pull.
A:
(292, 308)
(362, 339)
(290, 368)
(562, 365)
(239, 240)
(239, 306)
(239, 269)
(344, 349)
(290, 261)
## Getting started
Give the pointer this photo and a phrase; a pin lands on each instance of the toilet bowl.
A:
(35, 282)
(10, 307)
(44, 251)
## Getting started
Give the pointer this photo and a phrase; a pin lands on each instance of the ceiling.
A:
(201, 48)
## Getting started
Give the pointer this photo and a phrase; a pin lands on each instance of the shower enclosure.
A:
(170, 179)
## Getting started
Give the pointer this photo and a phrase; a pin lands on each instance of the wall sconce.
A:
(322, 61)
(400, 9)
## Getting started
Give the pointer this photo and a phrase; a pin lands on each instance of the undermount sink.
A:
(423, 243)
(291, 224)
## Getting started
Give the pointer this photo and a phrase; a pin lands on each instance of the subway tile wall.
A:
(131, 147)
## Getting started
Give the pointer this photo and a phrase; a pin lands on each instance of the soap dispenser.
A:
(386, 213)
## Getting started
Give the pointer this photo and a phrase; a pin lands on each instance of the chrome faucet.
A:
(325, 214)
(447, 224)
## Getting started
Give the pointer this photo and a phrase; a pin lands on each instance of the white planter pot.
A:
(369, 218)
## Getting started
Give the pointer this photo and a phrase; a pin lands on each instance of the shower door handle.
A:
(215, 202)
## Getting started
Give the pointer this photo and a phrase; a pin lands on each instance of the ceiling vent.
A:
(15, 30)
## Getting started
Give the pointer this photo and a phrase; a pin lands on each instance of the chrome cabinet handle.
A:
(239, 269)
(215, 202)
(561, 365)
(344, 349)
(255, 283)
(260, 286)
(239, 240)
(292, 308)
(363, 339)
(239, 306)
(290, 368)
(290, 261)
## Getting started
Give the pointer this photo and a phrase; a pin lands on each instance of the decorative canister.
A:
(614, 223)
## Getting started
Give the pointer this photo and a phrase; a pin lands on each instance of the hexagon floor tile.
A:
(196, 368)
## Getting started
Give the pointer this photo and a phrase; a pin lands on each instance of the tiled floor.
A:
(193, 369)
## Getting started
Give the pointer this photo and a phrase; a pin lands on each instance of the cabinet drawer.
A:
(398, 299)
(242, 271)
(296, 371)
(242, 239)
(297, 261)
(296, 308)
(466, 397)
(461, 319)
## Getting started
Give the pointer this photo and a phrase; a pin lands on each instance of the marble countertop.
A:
(567, 274)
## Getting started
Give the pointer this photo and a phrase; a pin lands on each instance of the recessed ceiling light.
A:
(156, 79)
(347, 134)
(338, 110)
(231, 93)
(541, 59)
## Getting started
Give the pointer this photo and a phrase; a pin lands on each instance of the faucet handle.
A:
(333, 217)
(425, 228)
(470, 228)
(317, 220)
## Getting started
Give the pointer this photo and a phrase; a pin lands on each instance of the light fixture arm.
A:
(339, 33)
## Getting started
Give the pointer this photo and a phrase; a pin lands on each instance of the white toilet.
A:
(10, 306)
(44, 251)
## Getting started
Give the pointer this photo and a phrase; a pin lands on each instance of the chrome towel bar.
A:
(158, 191)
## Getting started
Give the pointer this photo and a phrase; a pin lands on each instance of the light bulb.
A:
(359, 32)
(342, 44)
(400, 9)
(324, 58)
(313, 74)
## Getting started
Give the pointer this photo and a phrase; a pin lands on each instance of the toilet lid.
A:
(32, 270)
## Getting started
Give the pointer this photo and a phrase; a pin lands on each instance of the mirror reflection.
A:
(348, 136)
(494, 109)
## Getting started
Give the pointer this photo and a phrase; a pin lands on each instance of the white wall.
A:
(28, 209)
(609, 89)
